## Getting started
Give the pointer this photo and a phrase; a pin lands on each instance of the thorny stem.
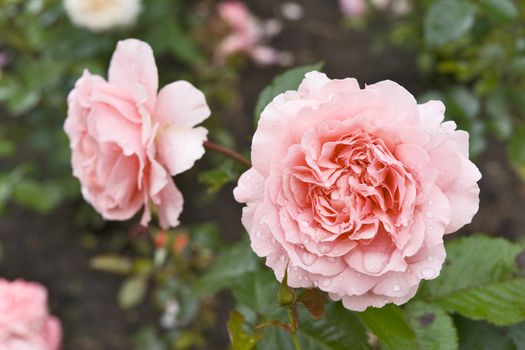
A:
(228, 153)
(293, 329)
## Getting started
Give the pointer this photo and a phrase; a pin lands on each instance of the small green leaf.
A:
(258, 291)
(132, 291)
(42, 197)
(239, 338)
(390, 327)
(447, 20)
(434, 327)
(501, 10)
(339, 329)
(288, 80)
(231, 265)
(112, 263)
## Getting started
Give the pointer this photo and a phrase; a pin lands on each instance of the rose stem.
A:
(293, 330)
(228, 153)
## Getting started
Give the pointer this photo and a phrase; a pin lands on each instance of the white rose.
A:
(100, 15)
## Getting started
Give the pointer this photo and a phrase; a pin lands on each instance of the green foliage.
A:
(479, 287)
(479, 335)
(231, 265)
(288, 80)
(239, 338)
(390, 326)
(112, 263)
(434, 328)
(339, 329)
(132, 291)
(448, 20)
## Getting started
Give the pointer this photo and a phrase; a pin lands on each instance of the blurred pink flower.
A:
(353, 8)
(25, 323)
(353, 189)
(247, 35)
(127, 140)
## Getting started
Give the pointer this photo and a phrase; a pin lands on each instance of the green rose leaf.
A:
(239, 338)
(390, 326)
(434, 327)
(132, 291)
(480, 281)
(447, 20)
(229, 267)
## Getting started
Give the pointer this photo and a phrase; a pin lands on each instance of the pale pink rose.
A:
(353, 8)
(247, 34)
(355, 188)
(127, 141)
(25, 323)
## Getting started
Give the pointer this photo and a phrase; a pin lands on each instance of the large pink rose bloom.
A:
(127, 141)
(25, 323)
(355, 188)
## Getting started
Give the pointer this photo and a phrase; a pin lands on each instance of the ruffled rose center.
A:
(350, 187)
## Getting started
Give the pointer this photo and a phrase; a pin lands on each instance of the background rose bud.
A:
(127, 141)
(355, 188)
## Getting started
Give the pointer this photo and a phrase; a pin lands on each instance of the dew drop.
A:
(340, 278)
(430, 258)
(396, 287)
(295, 268)
(258, 233)
(248, 178)
(430, 214)
(428, 273)
(300, 277)
(335, 196)
(304, 224)
(326, 282)
(308, 258)
(331, 259)
(274, 240)
(430, 202)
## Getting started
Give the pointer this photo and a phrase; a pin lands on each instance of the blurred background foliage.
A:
(469, 53)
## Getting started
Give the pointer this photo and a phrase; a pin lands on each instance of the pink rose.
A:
(353, 8)
(246, 35)
(355, 188)
(25, 323)
(127, 141)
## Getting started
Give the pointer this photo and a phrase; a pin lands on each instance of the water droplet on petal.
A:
(340, 278)
(430, 258)
(428, 273)
(335, 195)
(308, 258)
(304, 224)
(274, 240)
(258, 233)
(396, 287)
(430, 202)
(327, 282)
(248, 177)
(331, 259)
(430, 214)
